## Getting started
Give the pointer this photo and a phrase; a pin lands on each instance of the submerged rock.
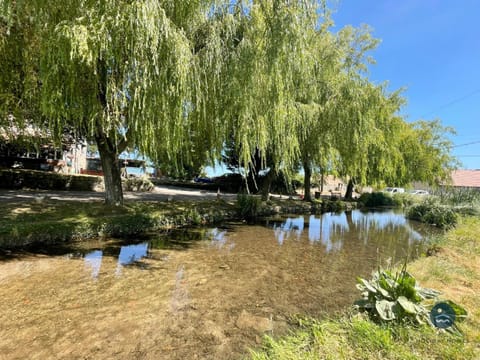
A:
(248, 321)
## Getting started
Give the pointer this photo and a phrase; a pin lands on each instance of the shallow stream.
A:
(203, 293)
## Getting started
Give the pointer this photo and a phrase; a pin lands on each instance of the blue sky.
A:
(432, 49)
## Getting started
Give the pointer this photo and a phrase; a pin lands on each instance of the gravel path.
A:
(160, 193)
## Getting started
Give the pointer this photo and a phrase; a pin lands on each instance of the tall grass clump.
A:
(141, 184)
(463, 201)
(248, 205)
(455, 197)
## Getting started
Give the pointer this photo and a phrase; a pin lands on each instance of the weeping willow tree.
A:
(121, 73)
(172, 79)
(176, 80)
(318, 81)
(394, 152)
(426, 153)
(261, 97)
(19, 49)
(338, 108)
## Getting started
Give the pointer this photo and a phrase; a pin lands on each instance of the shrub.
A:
(433, 213)
(458, 197)
(403, 200)
(332, 205)
(376, 199)
(35, 179)
(230, 182)
(142, 184)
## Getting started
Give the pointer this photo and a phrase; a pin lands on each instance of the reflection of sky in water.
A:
(322, 229)
(131, 253)
(291, 227)
(330, 228)
(218, 238)
(128, 254)
(93, 262)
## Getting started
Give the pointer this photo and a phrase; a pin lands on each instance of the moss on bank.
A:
(454, 270)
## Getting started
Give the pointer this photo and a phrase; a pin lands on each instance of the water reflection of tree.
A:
(388, 232)
(380, 232)
(290, 228)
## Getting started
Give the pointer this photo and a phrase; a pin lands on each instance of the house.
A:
(31, 147)
(466, 179)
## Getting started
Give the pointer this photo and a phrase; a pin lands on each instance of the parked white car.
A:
(419, 192)
(394, 190)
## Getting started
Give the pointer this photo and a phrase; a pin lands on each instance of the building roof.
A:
(466, 178)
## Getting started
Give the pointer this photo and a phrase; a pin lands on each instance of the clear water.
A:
(204, 293)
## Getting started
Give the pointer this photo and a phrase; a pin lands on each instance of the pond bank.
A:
(45, 218)
(48, 221)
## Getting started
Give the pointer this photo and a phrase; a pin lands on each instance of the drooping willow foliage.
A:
(176, 80)
(172, 76)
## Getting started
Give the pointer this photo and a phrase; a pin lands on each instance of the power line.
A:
(470, 143)
(453, 102)
(473, 156)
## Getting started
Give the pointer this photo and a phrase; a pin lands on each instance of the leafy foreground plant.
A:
(397, 297)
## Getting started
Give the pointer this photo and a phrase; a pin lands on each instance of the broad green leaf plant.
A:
(396, 297)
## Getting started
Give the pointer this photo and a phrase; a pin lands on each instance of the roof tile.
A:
(466, 178)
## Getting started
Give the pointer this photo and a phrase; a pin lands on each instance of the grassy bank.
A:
(51, 222)
(454, 269)
(46, 221)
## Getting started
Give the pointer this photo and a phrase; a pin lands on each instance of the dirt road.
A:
(160, 193)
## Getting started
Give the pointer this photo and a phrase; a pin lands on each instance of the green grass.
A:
(52, 222)
(356, 337)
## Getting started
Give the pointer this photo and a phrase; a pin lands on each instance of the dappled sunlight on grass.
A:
(48, 220)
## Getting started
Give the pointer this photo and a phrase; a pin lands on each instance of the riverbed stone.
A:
(249, 321)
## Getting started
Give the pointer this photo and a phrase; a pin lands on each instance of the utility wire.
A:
(453, 102)
(470, 143)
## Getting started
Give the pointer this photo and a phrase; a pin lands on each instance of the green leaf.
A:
(368, 285)
(407, 305)
(426, 293)
(385, 309)
(384, 293)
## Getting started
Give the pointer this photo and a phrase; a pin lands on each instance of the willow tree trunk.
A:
(322, 180)
(307, 181)
(349, 192)
(267, 184)
(111, 172)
